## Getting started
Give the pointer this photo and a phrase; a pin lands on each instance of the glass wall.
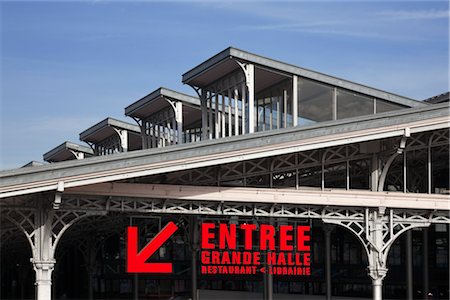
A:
(335, 175)
(351, 104)
(315, 101)
(274, 107)
(384, 106)
(359, 174)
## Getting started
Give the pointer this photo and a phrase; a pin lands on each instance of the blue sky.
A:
(67, 65)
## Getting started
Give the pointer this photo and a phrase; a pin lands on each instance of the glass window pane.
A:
(416, 167)
(310, 177)
(258, 181)
(274, 107)
(314, 102)
(336, 175)
(353, 105)
(359, 174)
(440, 183)
(284, 179)
(384, 106)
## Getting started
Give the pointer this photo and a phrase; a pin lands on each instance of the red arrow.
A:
(136, 261)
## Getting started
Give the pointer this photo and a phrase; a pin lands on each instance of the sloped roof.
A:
(225, 62)
(441, 98)
(103, 129)
(225, 150)
(154, 102)
(63, 152)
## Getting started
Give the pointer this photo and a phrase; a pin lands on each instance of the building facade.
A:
(263, 142)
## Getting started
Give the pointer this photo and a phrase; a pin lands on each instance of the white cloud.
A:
(408, 15)
(358, 22)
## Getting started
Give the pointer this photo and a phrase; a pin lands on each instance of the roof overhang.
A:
(157, 101)
(105, 129)
(225, 62)
(65, 151)
(220, 151)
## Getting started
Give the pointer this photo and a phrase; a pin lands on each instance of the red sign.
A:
(284, 255)
(279, 251)
(136, 261)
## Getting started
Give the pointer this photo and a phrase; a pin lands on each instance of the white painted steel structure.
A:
(242, 166)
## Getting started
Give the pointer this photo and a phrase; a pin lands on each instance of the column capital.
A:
(377, 273)
(47, 264)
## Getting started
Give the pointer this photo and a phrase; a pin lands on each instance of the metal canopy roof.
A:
(441, 98)
(226, 150)
(224, 63)
(104, 129)
(64, 152)
(155, 101)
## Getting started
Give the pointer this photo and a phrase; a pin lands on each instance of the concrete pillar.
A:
(409, 266)
(425, 283)
(327, 230)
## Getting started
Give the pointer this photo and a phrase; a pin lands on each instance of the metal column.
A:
(327, 229)
(268, 282)
(179, 120)
(269, 286)
(425, 285)
(294, 100)
(409, 266)
(123, 137)
(43, 260)
(43, 282)
(251, 97)
(204, 108)
(194, 244)
(90, 264)
(377, 267)
(136, 286)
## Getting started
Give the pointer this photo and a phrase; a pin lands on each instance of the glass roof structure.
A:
(258, 93)
(238, 93)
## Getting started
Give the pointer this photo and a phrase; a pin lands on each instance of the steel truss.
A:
(376, 228)
(376, 160)
(43, 228)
